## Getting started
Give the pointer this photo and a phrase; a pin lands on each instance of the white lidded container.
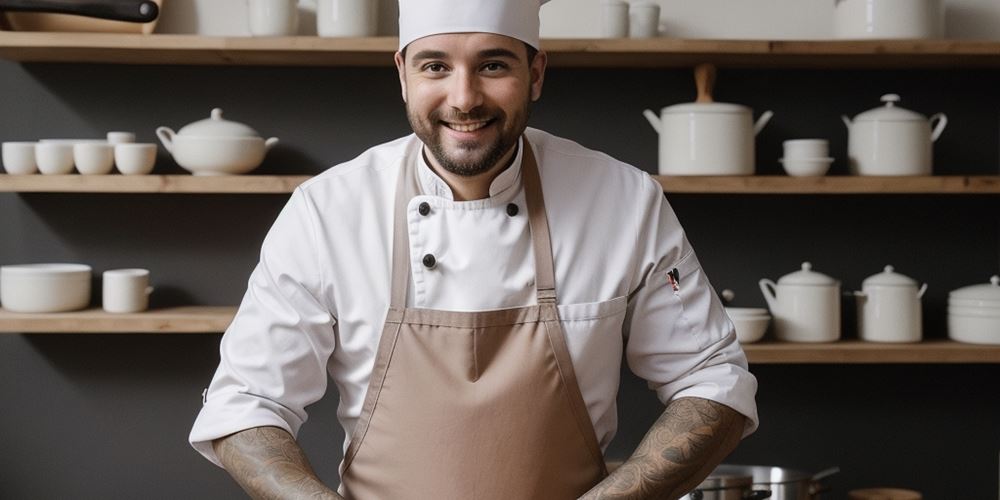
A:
(888, 19)
(890, 140)
(975, 319)
(889, 308)
(805, 305)
(216, 146)
(45, 288)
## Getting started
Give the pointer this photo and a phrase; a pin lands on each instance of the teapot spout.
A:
(762, 121)
(654, 120)
(846, 120)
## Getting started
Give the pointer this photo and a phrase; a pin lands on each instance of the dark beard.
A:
(493, 154)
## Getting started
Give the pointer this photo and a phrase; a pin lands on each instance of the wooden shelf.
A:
(377, 51)
(277, 184)
(193, 319)
(233, 184)
(857, 352)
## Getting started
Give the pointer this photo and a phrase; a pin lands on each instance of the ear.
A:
(538, 65)
(401, 68)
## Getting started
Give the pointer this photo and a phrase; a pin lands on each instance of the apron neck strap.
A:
(408, 186)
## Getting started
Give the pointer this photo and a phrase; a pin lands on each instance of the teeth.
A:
(467, 127)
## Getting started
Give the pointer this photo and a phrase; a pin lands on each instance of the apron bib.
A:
(473, 405)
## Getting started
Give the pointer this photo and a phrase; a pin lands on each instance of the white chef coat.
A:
(316, 302)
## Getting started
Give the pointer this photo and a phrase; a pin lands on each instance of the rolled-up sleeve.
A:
(275, 352)
(679, 338)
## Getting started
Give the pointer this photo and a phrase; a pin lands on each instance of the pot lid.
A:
(807, 277)
(890, 112)
(888, 277)
(216, 126)
(706, 107)
(989, 291)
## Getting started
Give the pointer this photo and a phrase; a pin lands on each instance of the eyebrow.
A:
(424, 55)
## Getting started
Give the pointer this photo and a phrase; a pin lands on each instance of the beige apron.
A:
(473, 405)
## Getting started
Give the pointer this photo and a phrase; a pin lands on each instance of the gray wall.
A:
(107, 416)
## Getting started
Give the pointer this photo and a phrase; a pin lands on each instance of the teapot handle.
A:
(920, 293)
(942, 122)
(846, 120)
(762, 121)
(767, 287)
(654, 120)
(166, 135)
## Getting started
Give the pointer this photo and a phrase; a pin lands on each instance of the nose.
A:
(465, 93)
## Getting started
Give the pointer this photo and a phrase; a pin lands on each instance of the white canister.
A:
(974, 313)
(707, 138)
(889, 308)
(614, 19)
(890, 140)
(805, 305)
(273, 17)
(884, 19)
(126, 290)
(644, 20)
(346, 18)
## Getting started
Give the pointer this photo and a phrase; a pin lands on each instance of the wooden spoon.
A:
(704, 80)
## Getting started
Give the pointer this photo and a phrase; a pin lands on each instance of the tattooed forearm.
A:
(679, 451)
(268, 464)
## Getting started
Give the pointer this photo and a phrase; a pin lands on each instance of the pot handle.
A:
(814, 482)
(767, 287)
(166, 135)
(920, 293)
(270, 143)
(149, 290)
(762, 121)
(654, 120)
(942, 122)
(846, 120)
(757, 495)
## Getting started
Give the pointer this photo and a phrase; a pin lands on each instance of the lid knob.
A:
(890, 99)
(807, 266)
(217, 113)
(889, 269)
(995, 280)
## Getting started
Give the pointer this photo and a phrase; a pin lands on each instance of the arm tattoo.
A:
(684, 445)
(268, 464)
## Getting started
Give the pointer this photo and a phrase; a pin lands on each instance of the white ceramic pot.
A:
(805, 305)
(972, 316)
(750, 323)
(889, 308)
(890, 140)
(706, 138)
(44, 288)
(215, 146)
(883, 19)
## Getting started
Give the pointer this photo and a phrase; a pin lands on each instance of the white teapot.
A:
(805, 305)
(889, 308)
(890, 140)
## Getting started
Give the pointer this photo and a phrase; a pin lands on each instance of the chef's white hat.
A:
(514, 18)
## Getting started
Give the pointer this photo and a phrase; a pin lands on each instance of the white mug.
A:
(135, 159)
(126, 290)
(54, 158)
(19, 158)
(644, 20)
(94, 158)
(274, 17)
(346, 18)
(614, 19)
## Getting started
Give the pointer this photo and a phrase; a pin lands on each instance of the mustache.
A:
(478, 114)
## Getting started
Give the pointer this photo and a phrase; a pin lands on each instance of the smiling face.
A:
(467, 97)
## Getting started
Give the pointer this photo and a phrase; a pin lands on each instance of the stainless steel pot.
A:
(724, 486)
(782, 483)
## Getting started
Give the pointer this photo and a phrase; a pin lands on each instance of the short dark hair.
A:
(532, 52)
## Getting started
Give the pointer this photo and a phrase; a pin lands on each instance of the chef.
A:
(471, 289)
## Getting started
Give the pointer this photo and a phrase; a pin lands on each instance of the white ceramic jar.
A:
(890, 140)
(706, 138)
(974, 313)
(215, 146)
(889, 308)
(45, 288)
(884, 19)
(805, 305)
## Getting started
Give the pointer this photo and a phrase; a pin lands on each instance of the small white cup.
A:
(274, 17)
(135, 159)
(644, 20)
(126, 290)
(94, 158)
(346, 18)
(614, 19)
(19, 158)
(806, 148)
(54, 158)
(120, 137)
(806, 167)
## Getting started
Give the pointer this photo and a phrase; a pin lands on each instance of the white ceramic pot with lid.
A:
(889, 308)
(883, 19)
(805, 305)
(972, 314)
(890, 140)
(706, 137)
(215, 146)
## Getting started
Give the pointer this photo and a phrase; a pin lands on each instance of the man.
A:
(470, 289)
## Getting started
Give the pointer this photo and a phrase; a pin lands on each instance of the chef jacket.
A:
(626, 277)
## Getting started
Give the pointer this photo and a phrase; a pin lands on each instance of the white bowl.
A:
(45, 288)
(750, 329)
(974, 330)
(806, 167)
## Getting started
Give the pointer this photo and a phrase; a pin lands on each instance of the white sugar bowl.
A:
(889, 308)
